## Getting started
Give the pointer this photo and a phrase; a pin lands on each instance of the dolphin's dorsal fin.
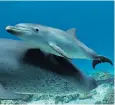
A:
(72, 31)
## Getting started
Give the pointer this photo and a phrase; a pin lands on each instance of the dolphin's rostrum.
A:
(56, 41)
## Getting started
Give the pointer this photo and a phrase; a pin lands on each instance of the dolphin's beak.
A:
(9, 28)
(17, 30)
(14, 30)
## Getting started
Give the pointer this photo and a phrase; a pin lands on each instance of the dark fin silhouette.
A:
(102, 59)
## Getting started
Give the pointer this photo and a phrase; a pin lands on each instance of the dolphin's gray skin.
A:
(56, 41)
(31, 71)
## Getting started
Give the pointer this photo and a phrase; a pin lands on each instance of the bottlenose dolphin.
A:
(31, 71)
(56, 41)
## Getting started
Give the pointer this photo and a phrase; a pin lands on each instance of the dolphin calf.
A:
(24, 70)
(56, 41)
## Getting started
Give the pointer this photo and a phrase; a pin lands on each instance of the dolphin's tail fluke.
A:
(102, 59)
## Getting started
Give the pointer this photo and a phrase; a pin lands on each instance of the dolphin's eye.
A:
(37, 29)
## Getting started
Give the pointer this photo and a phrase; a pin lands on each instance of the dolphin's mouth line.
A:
(16, 28)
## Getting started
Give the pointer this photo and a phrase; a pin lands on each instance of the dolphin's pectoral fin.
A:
(102, 59)
(8, 95)
(59, 50)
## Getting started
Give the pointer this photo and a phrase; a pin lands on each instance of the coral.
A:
(102, 75)
(98, 102)
(109, 98)
(66, 99)
(85, 96)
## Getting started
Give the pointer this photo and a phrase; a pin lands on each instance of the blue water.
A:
(93, 20)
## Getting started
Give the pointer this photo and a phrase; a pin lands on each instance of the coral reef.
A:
(109, 97)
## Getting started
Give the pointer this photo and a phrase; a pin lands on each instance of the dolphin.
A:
(24, 70)
(56, 41)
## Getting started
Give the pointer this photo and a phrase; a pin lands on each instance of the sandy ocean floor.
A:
(103, 94)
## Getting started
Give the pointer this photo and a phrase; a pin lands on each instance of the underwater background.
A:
(94, 22)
